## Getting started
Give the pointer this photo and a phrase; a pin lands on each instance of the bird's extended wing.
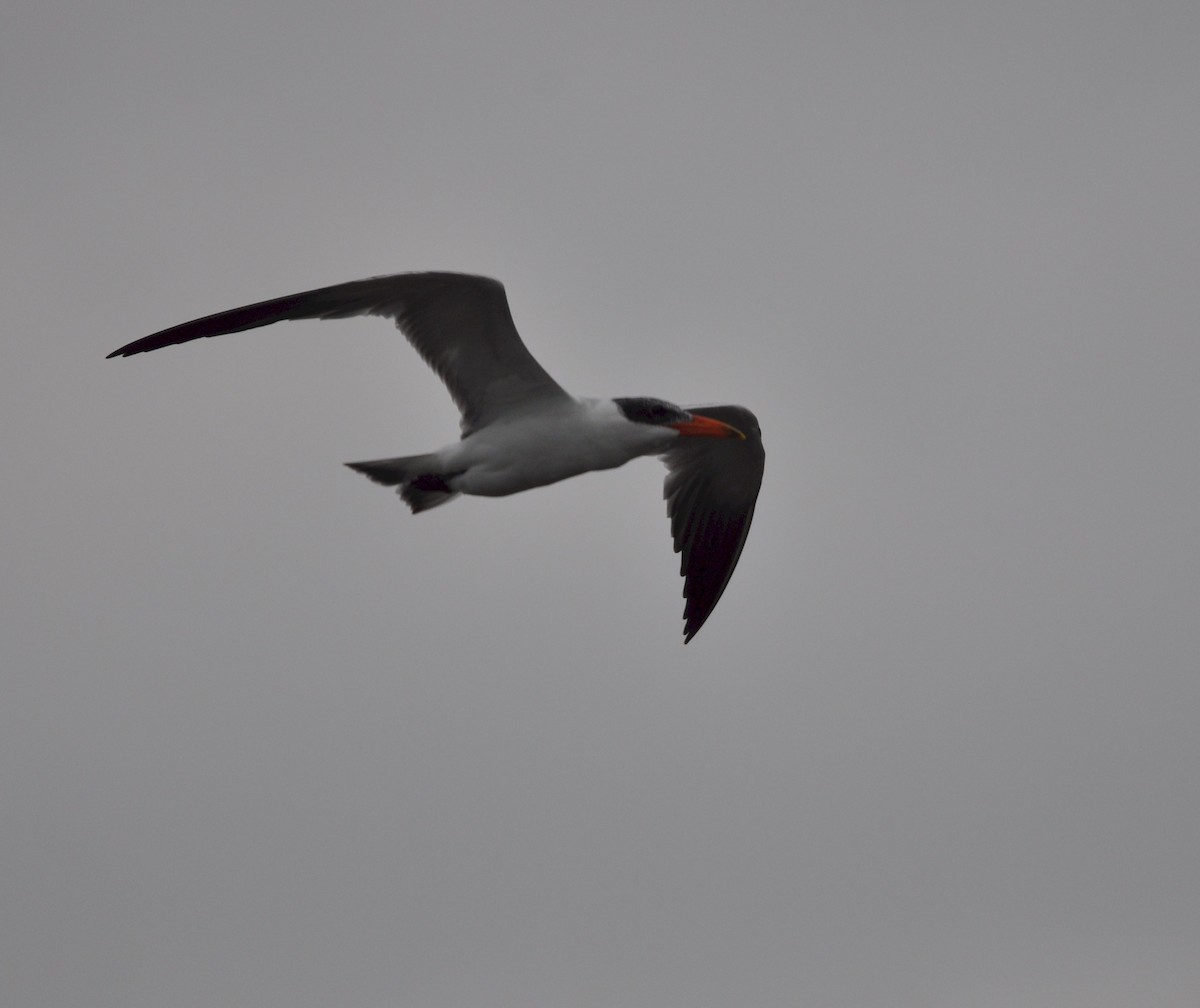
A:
(711, 487)
(460, 324)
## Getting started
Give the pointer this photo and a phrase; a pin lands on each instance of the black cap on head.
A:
(644, 409)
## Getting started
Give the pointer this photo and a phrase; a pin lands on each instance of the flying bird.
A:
(521, 429)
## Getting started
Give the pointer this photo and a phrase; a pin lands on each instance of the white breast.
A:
(545, 447)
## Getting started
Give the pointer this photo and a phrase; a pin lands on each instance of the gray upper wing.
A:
(711, 488)
(460, 324)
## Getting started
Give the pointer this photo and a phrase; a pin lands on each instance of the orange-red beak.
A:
(702, 426)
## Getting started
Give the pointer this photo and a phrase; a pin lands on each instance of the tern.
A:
(520, 429)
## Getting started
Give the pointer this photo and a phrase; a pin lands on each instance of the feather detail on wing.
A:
(711, 488)
(460, 324)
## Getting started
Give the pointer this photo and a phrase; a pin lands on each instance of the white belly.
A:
(506, 458)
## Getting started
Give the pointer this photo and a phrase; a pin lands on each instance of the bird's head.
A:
(659, 413)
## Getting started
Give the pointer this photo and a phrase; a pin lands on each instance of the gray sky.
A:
(267, 739)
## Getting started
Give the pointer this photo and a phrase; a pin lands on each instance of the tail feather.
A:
(415, 477)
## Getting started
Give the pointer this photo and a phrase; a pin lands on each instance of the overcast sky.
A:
(267, 739)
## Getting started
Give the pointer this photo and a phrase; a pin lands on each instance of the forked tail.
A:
(414, 476)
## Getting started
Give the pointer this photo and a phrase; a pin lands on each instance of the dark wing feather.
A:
(711, 487)
(460, 325)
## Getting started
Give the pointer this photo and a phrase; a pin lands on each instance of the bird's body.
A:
(521, 430)
(536, 449)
